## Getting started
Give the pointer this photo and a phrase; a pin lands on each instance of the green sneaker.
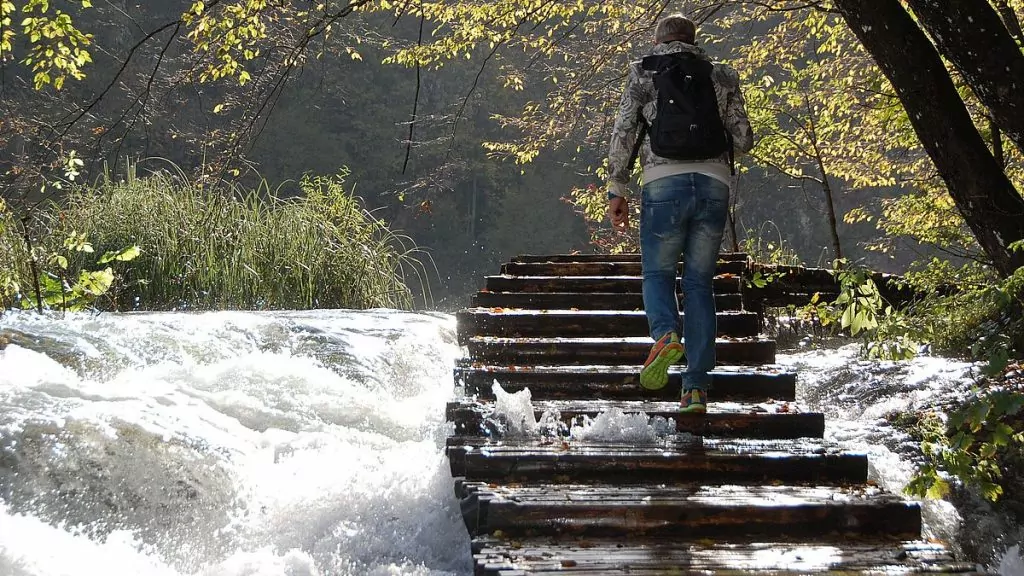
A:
(664, 353)
(694, 401)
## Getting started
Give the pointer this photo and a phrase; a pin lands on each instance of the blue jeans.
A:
(683, 215)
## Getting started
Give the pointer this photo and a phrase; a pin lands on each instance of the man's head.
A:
(675, 27)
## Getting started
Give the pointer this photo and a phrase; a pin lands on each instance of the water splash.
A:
(614, 425)
(1012, 564)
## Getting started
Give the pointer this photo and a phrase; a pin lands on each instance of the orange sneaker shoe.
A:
(664, 353)
(694, 401)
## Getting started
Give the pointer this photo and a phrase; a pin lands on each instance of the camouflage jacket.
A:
(640, 94)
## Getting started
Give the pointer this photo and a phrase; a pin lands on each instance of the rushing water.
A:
(228, 444)
(311, 443)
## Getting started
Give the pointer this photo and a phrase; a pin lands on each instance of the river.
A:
(311, 443)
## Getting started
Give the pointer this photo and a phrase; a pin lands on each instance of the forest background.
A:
(476, 129)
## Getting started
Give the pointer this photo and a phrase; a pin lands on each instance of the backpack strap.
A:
(660, 62)
(732, 152)
(639, 139)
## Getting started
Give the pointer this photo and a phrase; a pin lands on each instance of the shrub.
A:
(226, 248)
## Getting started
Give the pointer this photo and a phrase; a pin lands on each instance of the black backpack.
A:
(688, 125)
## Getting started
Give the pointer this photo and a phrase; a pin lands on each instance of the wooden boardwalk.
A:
(750, 487)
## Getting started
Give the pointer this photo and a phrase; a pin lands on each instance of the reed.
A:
(207, 248)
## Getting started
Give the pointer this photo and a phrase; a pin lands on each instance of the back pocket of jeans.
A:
(662, 219)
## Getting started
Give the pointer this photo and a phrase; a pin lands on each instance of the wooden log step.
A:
(528, 258)
(512, 323)
(801, 275)
(674, 459)
(586, 557)
(600, 268)
(579, 351)
(731, 384)
(578, 301)
(619, 284)
(810, 512)
(776, 420)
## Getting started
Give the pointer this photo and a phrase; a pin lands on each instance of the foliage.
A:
(217, 248)
(964, 312)
(763, 249)
(57, 49)
(67, 290)
(12, 257)
(979, 435)
(969, 312)
(860, 311)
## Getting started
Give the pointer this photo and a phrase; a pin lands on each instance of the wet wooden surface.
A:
(730, 384)
(699, 459)
(599, 268)
(586, 557)
(687, 511)
(617, 284)
(517, 323)
(689, 499)
(723, 257)
(588, 301)
(604, 350)
(730, 420)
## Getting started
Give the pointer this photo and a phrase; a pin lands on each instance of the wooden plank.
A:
(688, 511)
(578, 351)
(776, 420)
(583, 557)
(580, 301)
(526, 258)
(618, 382)
(512, 323)
(600, 268)
(673, 459)
(618, 284)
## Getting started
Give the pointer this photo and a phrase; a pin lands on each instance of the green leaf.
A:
(95, 283)
(125, 255)
(1002, 434)
(939, 489)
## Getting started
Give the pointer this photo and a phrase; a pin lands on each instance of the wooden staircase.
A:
(749, 487)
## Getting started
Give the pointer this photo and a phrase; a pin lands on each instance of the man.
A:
(683, 204)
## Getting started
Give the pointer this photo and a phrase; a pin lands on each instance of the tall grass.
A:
(14, 270)
(226, 248)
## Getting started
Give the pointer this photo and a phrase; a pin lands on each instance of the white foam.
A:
(31, 547)
(1012, 564)
(515, 410)
(296, 444)
(613, 425)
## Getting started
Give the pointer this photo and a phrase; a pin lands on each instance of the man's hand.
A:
(618, 212)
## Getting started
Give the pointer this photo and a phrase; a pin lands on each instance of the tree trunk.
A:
(1010, 20)
(833, 223)
(997, 144)
(986, 199)
(973, 37)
